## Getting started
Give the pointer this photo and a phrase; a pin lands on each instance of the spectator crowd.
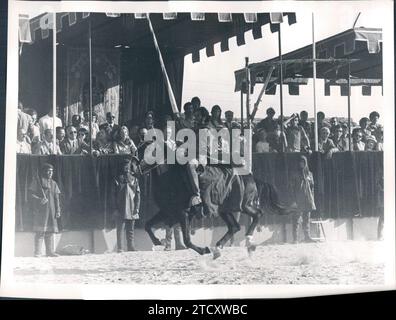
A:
(293, 134)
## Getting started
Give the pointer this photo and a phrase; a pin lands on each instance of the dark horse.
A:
(237, 194)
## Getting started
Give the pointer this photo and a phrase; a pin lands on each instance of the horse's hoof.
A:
(215, 252)
(162, 242)
(156, 242)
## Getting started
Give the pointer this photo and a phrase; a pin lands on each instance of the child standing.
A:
(126, 202)
(302, 184)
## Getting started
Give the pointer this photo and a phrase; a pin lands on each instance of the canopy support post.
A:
(247, 91)
(54, 83)
(314, 80)
(90, 83)
(281, 81)
(242, 128)
(349, 106)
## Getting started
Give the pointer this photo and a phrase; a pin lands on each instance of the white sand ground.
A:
(347, 262)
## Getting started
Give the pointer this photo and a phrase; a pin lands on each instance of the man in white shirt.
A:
(47, 122)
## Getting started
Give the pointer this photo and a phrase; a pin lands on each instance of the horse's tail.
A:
(269, 200)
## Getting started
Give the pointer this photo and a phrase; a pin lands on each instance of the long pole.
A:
(314, 80)
(242, 128)
(54, 83)
(164, 72)
(267, 79)
(280, 80)
(349, 106)
(247, 91)
(90, 83)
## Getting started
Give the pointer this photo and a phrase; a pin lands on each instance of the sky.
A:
(212, 79)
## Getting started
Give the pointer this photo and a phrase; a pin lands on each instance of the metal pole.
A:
(247, 91)
(349, 106)
(314, 80)
(90, 84)
(54, 83)
(280, 81)
(242, 129)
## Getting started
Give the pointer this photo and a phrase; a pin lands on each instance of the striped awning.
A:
(359, 47)
(186, 32)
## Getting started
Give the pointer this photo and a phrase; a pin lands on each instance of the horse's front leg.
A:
(255, 215)
(232, 225)
(158, 218)
(185, 224)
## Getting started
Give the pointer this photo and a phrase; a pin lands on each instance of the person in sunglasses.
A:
(340, 141)
(110, 126)
(357, 137)
(70, 145)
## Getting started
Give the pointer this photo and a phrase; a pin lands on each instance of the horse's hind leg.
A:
(158, 218)
(232, 225)
(185, 224)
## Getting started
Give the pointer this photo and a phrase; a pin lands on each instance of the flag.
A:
(225, 17)
(140, 15)
(197, 16)
(112, 15)
(169, 15)
(47, 21)
(250, 17)
(276, 17)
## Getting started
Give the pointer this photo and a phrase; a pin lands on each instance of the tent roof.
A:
(177, 33)
(361, 47)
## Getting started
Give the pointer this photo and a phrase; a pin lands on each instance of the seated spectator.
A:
(364, 126)
(215, 121)
(123, 144)
(46, 145)
(325, 144)
(333, 124)
(306, 124)
(229, 123)
(69, 145)
(196, 103)
(357, 143)
(148, 122)
(375, 128)
(380, 141)
(186, 120)
(110, 126)
(134, 134)
(76, 121)
(371, 143)
(345, 131)
(25, 121)
(297, 139)
(102, 145)
(277, 140)
(60, 134)
(47, 122)
(268, 123)
(321, 121)
(83, 140)
(95, 126)
(339, 140)
(262, 145)
(34, 128)
(142, 144)
(23, 142)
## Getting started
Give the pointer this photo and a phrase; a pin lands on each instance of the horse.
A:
(239, 193)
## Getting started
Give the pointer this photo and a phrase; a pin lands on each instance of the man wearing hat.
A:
(44, 193)
(126, 202)
(110, 126)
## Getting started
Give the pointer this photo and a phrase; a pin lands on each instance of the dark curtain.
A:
(345, 186)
